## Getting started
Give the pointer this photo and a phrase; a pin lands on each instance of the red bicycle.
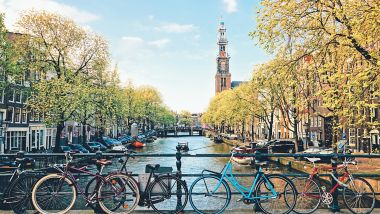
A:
(358, 194)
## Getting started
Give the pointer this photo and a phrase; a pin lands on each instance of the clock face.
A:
(223, 65)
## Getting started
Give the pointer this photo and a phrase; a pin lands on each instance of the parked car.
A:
(109, 142)
(281, 146)
(96, 146)
(66, 149)
(232, 137)
(118, 148)
(126, 139)
(77, 148)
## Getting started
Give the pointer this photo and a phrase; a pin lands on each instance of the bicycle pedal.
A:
(240, 199)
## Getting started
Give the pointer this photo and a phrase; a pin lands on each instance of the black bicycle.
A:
(18, 191)
(164, 192)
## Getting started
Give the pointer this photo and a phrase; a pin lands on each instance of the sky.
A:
(168, 44)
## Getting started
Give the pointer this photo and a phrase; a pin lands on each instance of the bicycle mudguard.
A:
(211, 172)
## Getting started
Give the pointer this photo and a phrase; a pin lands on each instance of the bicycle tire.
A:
(263, 185)
(121, 186)
(348, 190)
(160, 189)
(198, 190)
(54, 178)
(19, 196)
(305, 193)
(87, 192)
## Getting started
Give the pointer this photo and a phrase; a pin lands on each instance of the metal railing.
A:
(49, 158)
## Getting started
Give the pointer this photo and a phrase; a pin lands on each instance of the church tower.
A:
(223, 76)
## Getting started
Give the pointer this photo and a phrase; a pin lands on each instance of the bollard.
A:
(334, 205)
(178, 156)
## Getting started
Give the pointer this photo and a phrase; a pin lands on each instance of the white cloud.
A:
(160, 43)
(14, 8)
(176, 28)
(132, 42)
(230, 6)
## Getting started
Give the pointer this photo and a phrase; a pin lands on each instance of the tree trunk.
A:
(271, 125)
(84, 132)
(253, 129)
(60, 128)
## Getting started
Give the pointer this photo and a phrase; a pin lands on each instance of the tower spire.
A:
(223, 76)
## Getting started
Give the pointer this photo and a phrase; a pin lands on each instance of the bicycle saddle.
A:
(261, 163)
(153, 167)
(104, 162)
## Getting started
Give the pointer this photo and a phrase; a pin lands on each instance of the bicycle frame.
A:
(67, 174)
(339, 182)
(246, 192)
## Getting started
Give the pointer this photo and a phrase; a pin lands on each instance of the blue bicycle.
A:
(210, 193)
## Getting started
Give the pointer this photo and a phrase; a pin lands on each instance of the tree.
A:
(61, 52)
(340, 39)
(185, 119)
(10, 69)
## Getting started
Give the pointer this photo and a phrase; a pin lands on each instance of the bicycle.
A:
(267, 191)
(18, 191)
(311, 194)
(56, 193)
(165, 193)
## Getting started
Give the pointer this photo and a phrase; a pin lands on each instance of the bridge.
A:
(175, 159)
(180, 131)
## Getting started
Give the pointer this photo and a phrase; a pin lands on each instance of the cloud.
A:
(150, 17)
(160, 43)
(230, 6)
(138, 42)
(176, 28)
(14, 8)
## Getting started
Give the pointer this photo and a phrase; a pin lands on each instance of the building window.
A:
(24, 97)
(319, 122)
(17, 115)
(24, 116)
(16, 138)
(18, 95)
(31, 116)
(11, 95)
(2, 96)
(9, 116)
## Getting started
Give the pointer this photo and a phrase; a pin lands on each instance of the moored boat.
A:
(243, 160)
(138, 144)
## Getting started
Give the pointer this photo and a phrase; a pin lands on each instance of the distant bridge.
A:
(180, 131)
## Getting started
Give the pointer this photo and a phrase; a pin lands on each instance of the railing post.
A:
(334, 163)
(98, 156)
(178, 156)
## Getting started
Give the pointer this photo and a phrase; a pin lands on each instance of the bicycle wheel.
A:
(118, 193)
(285, 198)
(168, 194)
(208, 194)
(308, 195)
(54, 194)
(91, 192)
(19, 195)
(359, 196)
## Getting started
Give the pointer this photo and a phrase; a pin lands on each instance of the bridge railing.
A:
(46, 159)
